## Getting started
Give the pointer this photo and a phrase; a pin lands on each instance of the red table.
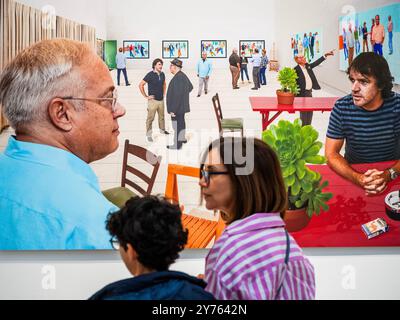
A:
(349, 209)
(265, 105)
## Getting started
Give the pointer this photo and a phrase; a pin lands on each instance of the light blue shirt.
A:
(50, 200)
(121, 60)
(256, 60)
(204, 68)
(306, 42)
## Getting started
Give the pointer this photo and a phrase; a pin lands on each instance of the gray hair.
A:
(37, 75)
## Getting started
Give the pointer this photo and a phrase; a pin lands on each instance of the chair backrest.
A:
(218, 111)
(201, 231)
(146, 156)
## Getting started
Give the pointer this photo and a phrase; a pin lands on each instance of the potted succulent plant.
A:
(297, 146)
(287, 78)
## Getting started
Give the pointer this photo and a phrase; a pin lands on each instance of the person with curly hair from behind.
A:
(149, 235)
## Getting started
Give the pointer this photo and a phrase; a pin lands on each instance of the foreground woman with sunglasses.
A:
(255, 258)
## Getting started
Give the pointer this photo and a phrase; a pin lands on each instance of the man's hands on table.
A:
(373, 181)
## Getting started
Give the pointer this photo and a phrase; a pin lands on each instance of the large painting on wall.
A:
(355, 31)
(137, 49)
(248, 46)
(308, 43)
(214, 48)
(110, 51)
(100, 48)
(175, 49)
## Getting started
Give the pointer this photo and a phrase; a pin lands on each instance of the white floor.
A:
(201, 129)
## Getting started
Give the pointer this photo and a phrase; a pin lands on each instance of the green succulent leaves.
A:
(287, 78)
(297, 146)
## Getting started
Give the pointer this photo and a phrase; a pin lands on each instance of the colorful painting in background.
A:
(214, 48)
(308, 44)
(248, 46)
(134, 49)
(100, 48)
(175, 49)
(355, 36)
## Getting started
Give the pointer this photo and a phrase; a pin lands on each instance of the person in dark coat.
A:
(307, 81)
(149, 235)
(178, 102)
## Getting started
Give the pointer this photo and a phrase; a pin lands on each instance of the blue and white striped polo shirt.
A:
(371, 136)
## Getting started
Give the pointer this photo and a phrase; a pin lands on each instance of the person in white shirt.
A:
(307, 81)
(350, 41)
(121, 66)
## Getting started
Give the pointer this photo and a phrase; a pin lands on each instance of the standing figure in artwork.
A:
(365, 37)
(390, 32)
(204, 69)
(178, 102)
(312, 45)
(378, 36)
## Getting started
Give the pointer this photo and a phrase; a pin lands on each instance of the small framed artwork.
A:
(136, 49)
(172, 49)
(214, 48)
(248, 47)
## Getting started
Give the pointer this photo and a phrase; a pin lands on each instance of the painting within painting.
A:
(214, 48)
(248, 46)
(175, 49)
(137, 49)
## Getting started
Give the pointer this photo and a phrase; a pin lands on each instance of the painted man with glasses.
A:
(60, 99)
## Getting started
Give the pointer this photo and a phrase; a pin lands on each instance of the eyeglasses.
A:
(207, 175)
(112, 100)
(115, 243)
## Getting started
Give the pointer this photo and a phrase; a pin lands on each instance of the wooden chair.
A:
(232, 125)
(120, 195)
(201, 231)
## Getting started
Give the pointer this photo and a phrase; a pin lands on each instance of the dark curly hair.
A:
(157, 61)
(153, 227)
(371, 64)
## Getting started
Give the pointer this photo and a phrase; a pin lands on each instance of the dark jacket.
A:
(178, 94)
(165, 285)
(244, 60)
(301, 80)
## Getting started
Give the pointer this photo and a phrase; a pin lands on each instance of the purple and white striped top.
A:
(248, 263)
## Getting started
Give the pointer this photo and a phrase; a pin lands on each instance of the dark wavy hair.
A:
(157, 61)
(153, 227)
(371, 64)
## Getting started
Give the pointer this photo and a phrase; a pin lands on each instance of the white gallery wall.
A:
(324, 14)
(89, 12)
(341, 273)
(158, 20)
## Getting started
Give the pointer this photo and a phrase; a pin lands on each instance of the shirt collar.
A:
(254, 222)
(50, 156)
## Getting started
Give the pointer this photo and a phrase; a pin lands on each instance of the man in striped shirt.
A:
(369, 121)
